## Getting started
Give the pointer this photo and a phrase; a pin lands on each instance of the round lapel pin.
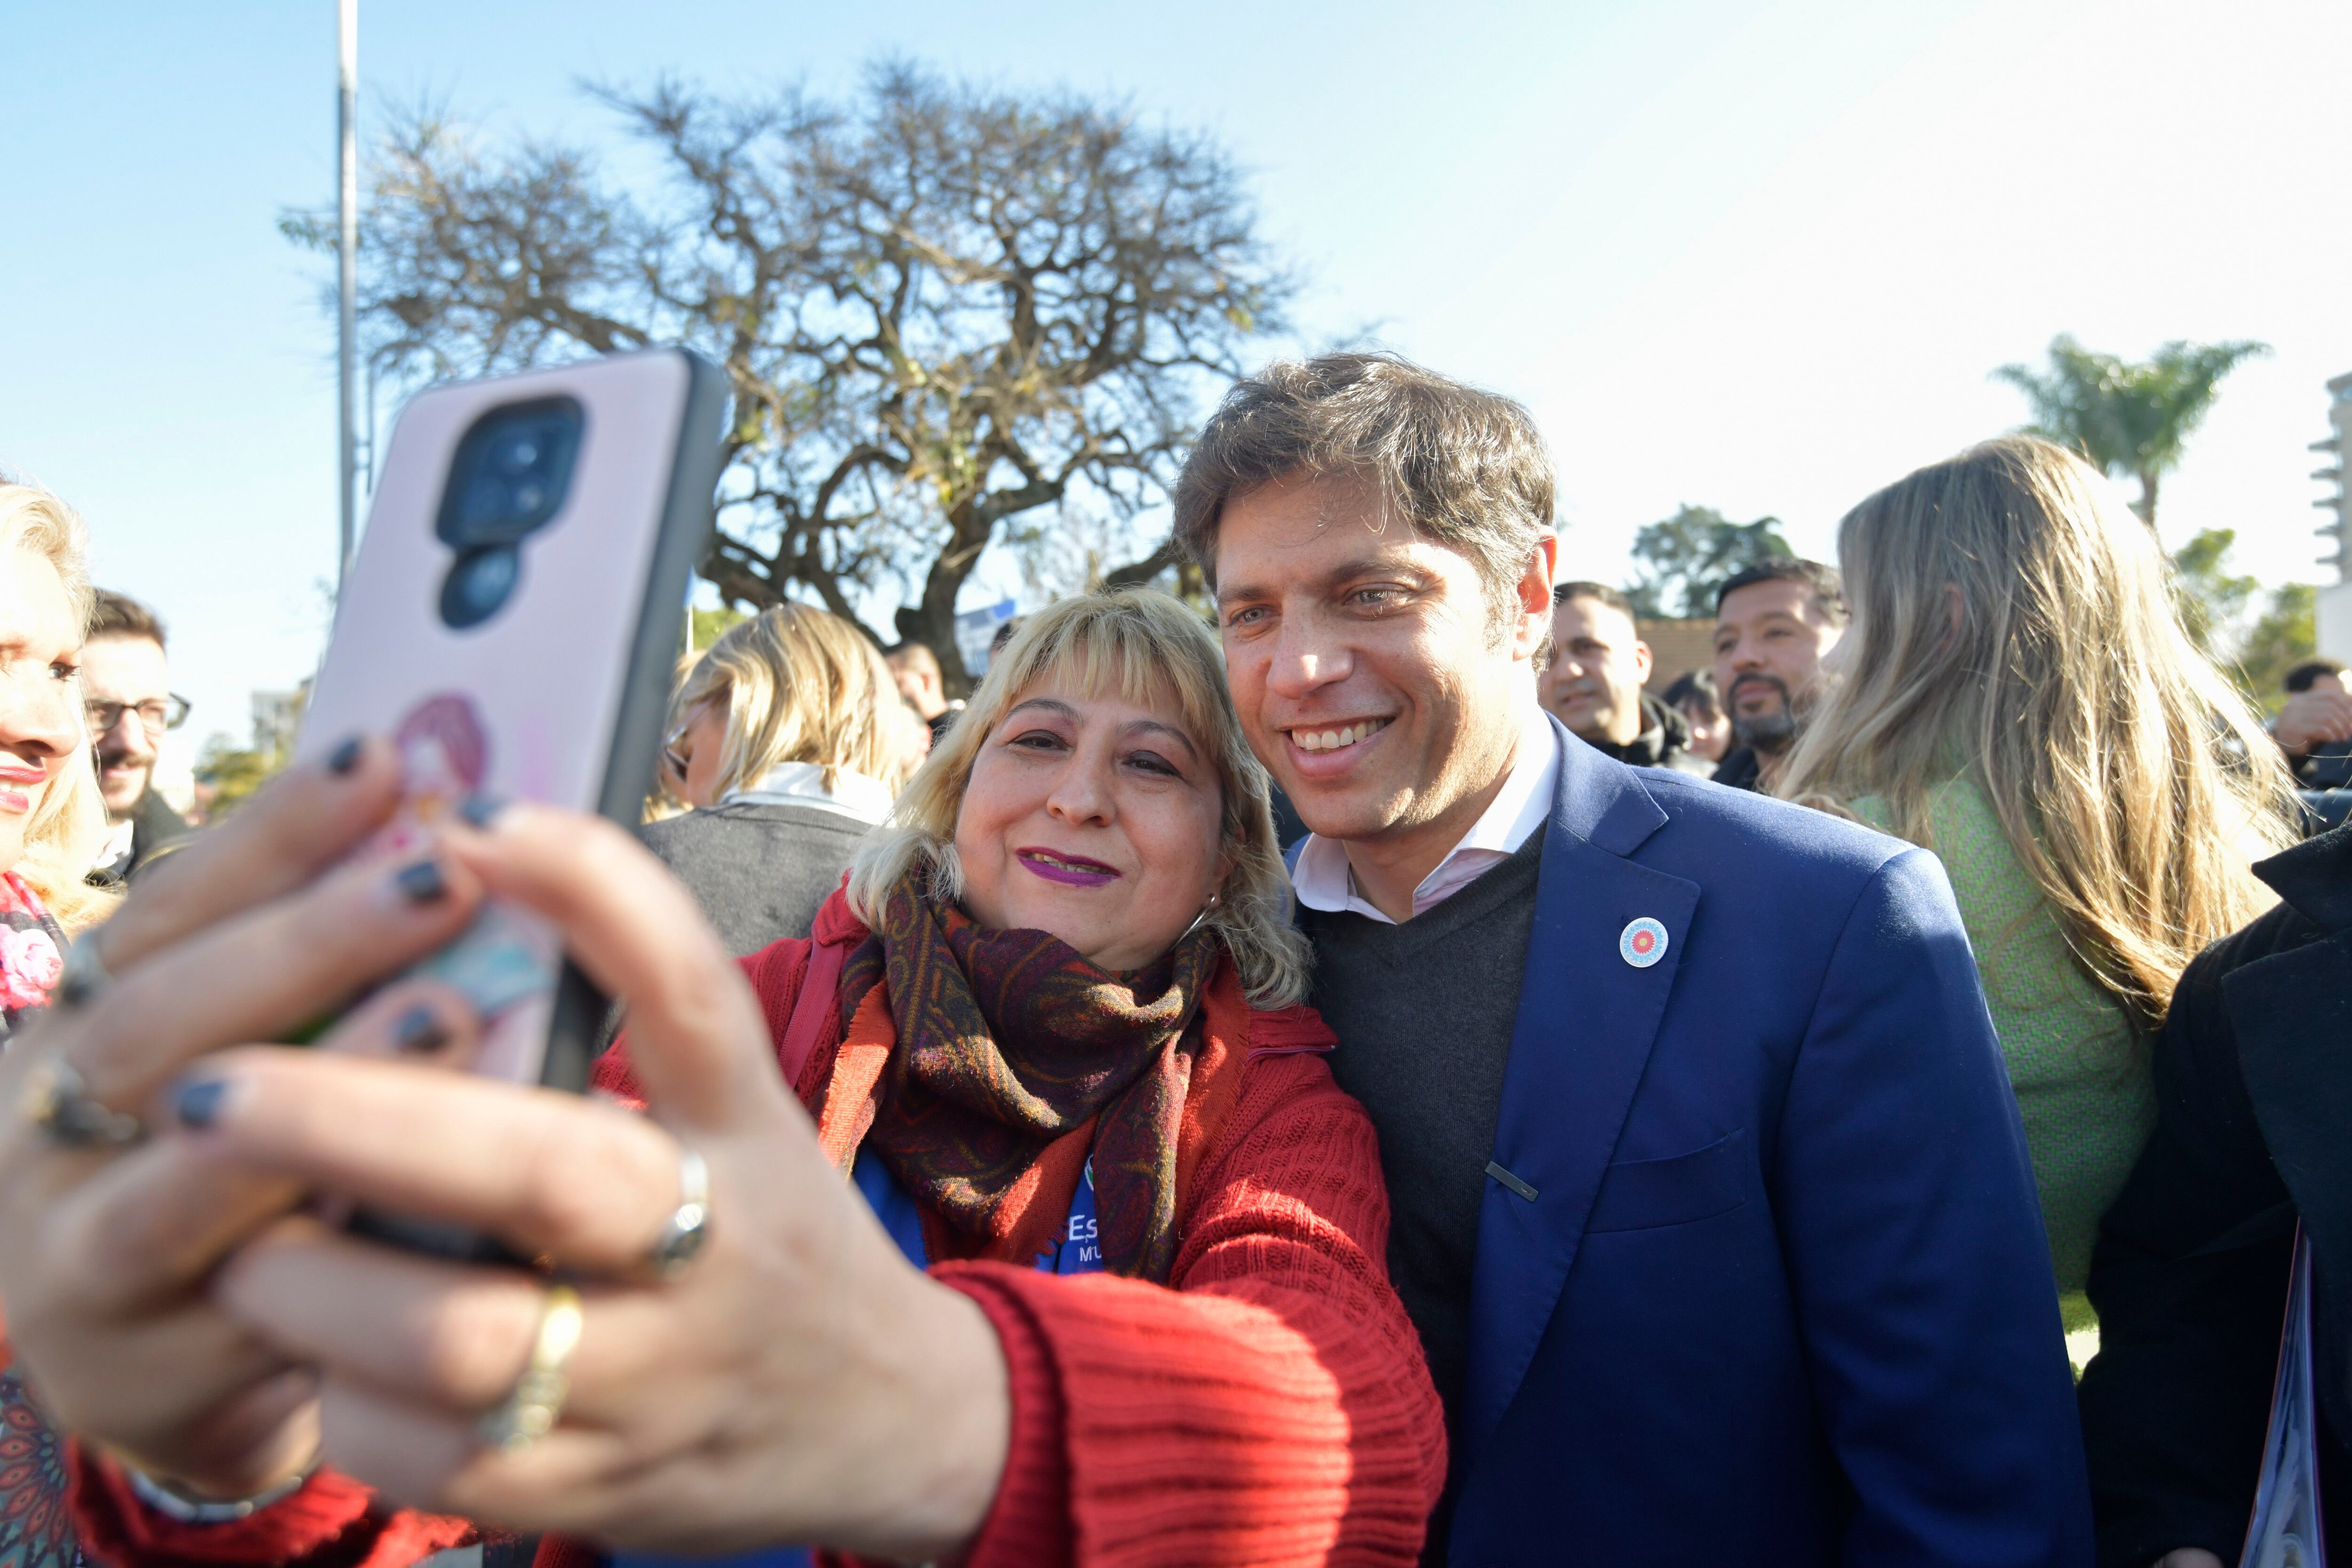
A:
(1643, 942)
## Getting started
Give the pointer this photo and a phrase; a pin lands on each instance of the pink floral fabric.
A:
(32, 954)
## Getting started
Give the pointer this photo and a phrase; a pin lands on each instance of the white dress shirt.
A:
(1324, 881)
(853, 795)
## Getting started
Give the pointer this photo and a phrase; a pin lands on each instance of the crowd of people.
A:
(1355, 1077)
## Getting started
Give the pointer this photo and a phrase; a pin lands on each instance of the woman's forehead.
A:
(1113, 696)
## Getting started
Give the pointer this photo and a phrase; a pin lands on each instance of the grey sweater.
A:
(759, 869)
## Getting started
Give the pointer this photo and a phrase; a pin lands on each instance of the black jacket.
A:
(1740, 770)
(2254, 1077)
(1664, 742)
(155, 827)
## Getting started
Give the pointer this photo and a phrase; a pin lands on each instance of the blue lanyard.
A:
(1077, 1251)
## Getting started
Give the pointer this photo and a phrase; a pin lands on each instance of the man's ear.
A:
(1644, 661)
(1534, 598)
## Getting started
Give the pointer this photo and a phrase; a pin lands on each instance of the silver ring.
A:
(86, 973)
(57, 1101)
(688, 1225)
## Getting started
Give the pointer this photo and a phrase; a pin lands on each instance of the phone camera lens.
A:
(478, 584)
(518, 455)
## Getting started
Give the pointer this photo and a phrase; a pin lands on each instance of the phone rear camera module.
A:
(512, 473)
(478, 585)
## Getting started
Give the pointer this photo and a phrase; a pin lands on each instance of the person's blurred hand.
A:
(799, 1382)
(106, 1254)
(2188, 1557)
(2313, 719)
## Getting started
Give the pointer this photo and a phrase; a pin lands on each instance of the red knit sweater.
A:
(1269, 1405)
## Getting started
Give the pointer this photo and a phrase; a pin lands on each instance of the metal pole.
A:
(347, 39)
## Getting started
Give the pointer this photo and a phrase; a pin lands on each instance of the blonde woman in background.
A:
(52, 822)
(51, 818)
(2017, 693)
(788, 739)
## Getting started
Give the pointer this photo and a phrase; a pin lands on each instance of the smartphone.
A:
(510, 619)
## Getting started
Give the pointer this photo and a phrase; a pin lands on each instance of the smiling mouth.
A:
(1071, 870)
(1340, 737)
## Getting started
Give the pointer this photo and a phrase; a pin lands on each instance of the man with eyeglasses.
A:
(124, 682)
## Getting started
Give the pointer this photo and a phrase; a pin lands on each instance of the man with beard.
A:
(125, 683)
(1774, 623)
(1599, 662)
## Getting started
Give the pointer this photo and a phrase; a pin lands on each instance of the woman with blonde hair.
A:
(787, 739)
(1013, 1218)
(52, 822)
(2017, 694)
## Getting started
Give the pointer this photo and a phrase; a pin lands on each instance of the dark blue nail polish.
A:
(419, 1030)
(422, 883)
(481, 809)
(345, 756)
(197, 1102)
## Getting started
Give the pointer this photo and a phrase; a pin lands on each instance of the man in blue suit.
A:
(1711, 1202)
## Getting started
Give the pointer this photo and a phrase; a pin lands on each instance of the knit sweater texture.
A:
(2083, 1080)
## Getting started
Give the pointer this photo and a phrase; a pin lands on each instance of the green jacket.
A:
(2083, 1077)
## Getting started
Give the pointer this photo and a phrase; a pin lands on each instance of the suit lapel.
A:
(1586, 1021)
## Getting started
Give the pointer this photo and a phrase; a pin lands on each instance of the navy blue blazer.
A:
(1761, 1274)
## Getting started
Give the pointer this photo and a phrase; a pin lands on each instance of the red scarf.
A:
(1016, 1059)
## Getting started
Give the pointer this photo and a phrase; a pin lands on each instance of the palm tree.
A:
(2127, 419)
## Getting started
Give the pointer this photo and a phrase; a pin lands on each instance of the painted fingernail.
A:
(481, 809)
(197, 1101)
(422, 883)
(419, 1030)
(345, 756)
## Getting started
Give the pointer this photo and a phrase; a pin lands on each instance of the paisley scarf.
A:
(1016, 1060)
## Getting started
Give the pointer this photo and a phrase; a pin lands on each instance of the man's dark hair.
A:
(1601, 591)
(1828, 587)
(120, 616)
(1464, 467)
(1699, 683)
(2304, 675)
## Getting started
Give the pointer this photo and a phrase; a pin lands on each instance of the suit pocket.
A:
(1646, 1194)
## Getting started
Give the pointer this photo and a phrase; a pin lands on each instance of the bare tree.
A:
(942, 307)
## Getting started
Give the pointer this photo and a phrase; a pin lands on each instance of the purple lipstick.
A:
(1071, 870)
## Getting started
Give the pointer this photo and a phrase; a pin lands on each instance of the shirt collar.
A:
(853, 795)
(1321, 877)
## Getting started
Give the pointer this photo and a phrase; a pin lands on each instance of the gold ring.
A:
(531, 1412)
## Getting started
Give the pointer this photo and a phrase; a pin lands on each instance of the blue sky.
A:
(1753, 254)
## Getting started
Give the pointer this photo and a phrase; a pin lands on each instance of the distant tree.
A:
(2211, 597)
(2128, 419)
(2287, 634)
(705, 627)
(228, 774)
(1684, 558)
(943, 307)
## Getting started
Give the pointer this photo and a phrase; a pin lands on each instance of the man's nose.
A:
(1306, 658)
(126, 734)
